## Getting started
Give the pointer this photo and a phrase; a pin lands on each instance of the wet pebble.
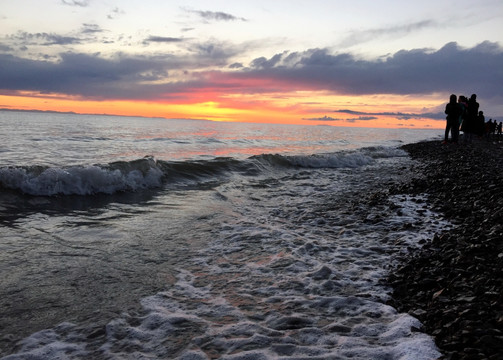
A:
(454, 283)
(322, 274)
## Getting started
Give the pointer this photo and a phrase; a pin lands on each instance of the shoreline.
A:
(454, 283)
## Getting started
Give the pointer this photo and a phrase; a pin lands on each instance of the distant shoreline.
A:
(93, 114)
(43, 111)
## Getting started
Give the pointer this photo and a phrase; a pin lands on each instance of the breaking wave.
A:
(147, 173)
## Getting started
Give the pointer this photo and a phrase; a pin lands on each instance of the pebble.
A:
(454, 283)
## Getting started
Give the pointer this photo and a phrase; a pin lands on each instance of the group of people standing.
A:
(463, 114)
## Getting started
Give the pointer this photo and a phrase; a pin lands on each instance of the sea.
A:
(149, 238)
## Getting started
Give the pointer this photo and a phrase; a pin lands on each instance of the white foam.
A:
(335, 160)
(285, 277)
(78, 180)
(60, 343)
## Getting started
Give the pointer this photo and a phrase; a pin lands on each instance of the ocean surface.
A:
(139, 238)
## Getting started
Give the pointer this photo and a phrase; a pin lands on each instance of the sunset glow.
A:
(306, 109)
(249, 63)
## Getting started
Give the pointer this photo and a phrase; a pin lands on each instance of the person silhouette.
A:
(481, 124)
(463, 102)
(470, 123)
(454, 111)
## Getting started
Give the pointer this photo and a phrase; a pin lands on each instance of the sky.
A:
(363, 63)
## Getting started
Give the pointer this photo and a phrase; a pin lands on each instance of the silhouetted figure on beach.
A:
(500, 128)
(470, 122)
(492, 127)
(481, 124)
(463, 102)
(454, 112)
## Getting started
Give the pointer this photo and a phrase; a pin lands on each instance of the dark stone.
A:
(101, 331)
(454, 283)
(290, 323)
(322, 274)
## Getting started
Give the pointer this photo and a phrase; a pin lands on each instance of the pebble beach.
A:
(454, 283)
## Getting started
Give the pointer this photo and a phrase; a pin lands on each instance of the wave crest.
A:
(83, 180)
(148, 173)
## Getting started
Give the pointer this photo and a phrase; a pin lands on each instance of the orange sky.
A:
(289, 108)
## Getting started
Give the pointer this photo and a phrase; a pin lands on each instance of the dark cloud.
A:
(351, 120)
(236, 65)
(363, 118)
(91, 29)
(420, 71)
(84, 75)
(263, 62)
(323, 118)
(81, 3)
(451, 69)
(162, 39)
(88, 33)
(43, 39)
(92, 76)
(398, 115)
(216, 16)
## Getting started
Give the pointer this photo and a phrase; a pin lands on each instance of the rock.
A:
(322, 274)
(289, 323)
(418, 313)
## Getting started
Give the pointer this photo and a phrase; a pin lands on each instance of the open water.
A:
(136, 238)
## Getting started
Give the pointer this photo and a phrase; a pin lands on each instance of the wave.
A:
(342, 159)
(147, 173)
(82, 180)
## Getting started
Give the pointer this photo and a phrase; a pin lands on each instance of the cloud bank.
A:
(213, 66)
(44, 39)
(398, 115)
(350, 120)
(419, 71)
(162, 39)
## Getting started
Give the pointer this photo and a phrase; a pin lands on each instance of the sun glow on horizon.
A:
(301, 107)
